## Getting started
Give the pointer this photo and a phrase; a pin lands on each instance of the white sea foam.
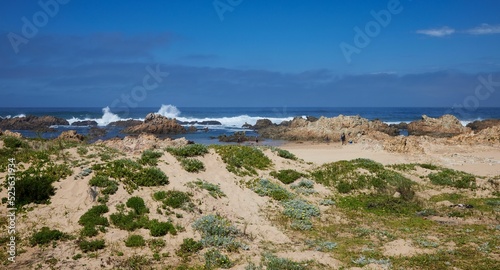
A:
(107, 117)
(231, 121)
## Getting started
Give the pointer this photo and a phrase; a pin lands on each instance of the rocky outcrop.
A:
(156, 124)
(142, 142)
(85, 123)
(401, 144)
(487, 136)
(237, 137)
(326, 129)
(483, 124)
(125, 123)
(71, 135)
(444, 126)
(31, 122)
(12, 134)
(262, 123)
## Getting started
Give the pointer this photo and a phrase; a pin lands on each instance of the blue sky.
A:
(249, 53)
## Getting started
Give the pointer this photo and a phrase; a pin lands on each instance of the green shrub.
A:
(188, 247)
(91, 246)
(129, 221)
(159, 195)
(214, 259)
(149, 177)
(304, 186)
(92, 218)
(150, 157)
(13, 142)
(190, 150)
(107, 186)
(157, 228)
(192, 165)
(300, 212)
(287, 176)
(138, 205)
(452, 178)
(275, 263)
(264, 187)
(34, 189)
(286, 154)
(243, 160)
(46, 235)
(213, 190)
(156, 244)
(217, 231)
(176, 199)
(135, 240)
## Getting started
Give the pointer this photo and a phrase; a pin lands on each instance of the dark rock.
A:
(238, 137)
(402, 125)
(483, 124)
(32, 122)
(311, 118)
(96, 132)
(156, 124)
(247, 125)
(125, 123)
(262, 123)
(85, 123)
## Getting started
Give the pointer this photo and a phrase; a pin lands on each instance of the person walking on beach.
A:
(342, 138)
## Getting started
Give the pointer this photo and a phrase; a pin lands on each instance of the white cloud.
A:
(437, 32)
(484, 29)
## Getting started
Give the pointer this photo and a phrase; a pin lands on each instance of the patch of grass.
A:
(190, 150)
(132, 174)
(150, 157)
(107, 186)
(453, 178)
(46, 235)
(358, 174)
(13, 142)
(92, 218)
(156, 244)
(380, 204)
(192, 165)
(214, 259)
(213, 190)
(287, 176)
(273, 262)
(188, 247)
(243, 160)
(174, 198)
(91, 246)
(264, 187)
(217, 231)
(135, 240)
(135, 262)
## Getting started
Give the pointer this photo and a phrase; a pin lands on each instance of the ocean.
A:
(232, 118)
